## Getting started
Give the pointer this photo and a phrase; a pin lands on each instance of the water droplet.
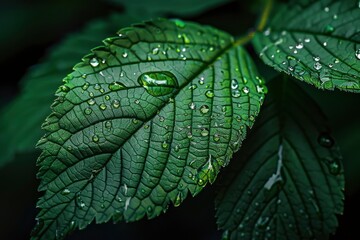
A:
(246, 90)
(165, 145)
(189, 135)
(201, 182)
(236, 93)
(317, 66)
(79, 201)
(329, 29)
(179, 23)
(209, 94)
(94, 62)
(158, 83)
(91, 101)
(336, 60)
(324, 44)
(192, 106)
(114, 86)
(65, 191)
(204, 132)
(357, 54)
(85, 86)
(95, 138)
(87, 111)
(204, 109)
(326, 140)
(116, 103)
(201, 81)
(135, 121)
(316, 59)
(216, 137)
(326, 9)
(161, 118)
(102, 106)
(155, 51)
(234, 84)
(136, 101)
(299, 45)
(267, 32)
(108, 124)
(261, 89)
(307, 40)
(330, 65)
(125, 54)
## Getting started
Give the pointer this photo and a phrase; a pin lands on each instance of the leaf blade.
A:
(118, 146)
(315, 42)
(287, 185)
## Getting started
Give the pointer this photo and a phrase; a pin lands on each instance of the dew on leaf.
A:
(158, 83)
(102, 106)
(94, 62)
(116, 103)
(325, 140)
(192, 106)
(235, 93)
(209, 94)
(317, 66)
(204, 132)
(95, 138)
(357, 54)
(91, 101)
(204, 109)
(87, 111)
(234, 84)
(114, 86)
(66, 191)
(246, 90)
(329, 29)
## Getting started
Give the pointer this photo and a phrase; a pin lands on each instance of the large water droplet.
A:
(87, 111)
(236, 93)
(158, 83)
(94, 62)
(116, 103)
(326, 140)
(114, 86)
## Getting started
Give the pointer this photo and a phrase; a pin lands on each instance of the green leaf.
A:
(161, 7)
(316, 42)
(40, 83)
(143, 120)
(289, 181)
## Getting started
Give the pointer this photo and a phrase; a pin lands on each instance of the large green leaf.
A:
(39, 85)
(161, 7)
(288, 181)
(317, 42)
(149, 116)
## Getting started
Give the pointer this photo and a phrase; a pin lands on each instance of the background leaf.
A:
(141, 121)
(162, 7)
(316, 42)
(288, 181)
(40, 83)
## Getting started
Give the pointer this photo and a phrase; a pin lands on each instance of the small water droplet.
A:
(246, 90)
(179, 23)
(216, 137)
(116, 103)
(94, 62)
(192, 106)
(329, 29)
(66, 191)
(102, 106)
(324, 44)
(307, 40)
(326, 9)
(125, 54)
(234, 84)
(317, 66)
(267, 32)
(95, 138)
(137, 101)
(204, 109)
(209, 94)
(201, 81)
(108, 124)
(135, 121)
(114, 86)
(299, 45)
(155, 51)
(326, 140)
(91, 101)
(87, 111)
(357, 54)
(236, 93)
(165, 145)
(336, 60)
(204, 132)
(316, 59)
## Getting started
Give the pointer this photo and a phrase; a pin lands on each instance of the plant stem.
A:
(263, 20)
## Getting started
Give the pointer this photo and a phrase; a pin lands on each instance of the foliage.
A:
(157, 110)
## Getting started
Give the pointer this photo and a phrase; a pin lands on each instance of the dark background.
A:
(29, 28)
